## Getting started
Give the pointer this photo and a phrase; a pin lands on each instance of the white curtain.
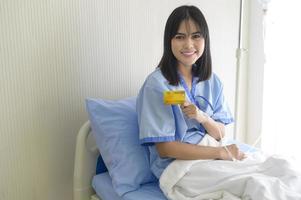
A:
(281, 126)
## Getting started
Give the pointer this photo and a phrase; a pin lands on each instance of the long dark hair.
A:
(168, 64)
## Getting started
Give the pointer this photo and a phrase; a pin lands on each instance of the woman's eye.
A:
(179, 37)
(196, 36)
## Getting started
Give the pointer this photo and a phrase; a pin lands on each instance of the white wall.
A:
(54, 54)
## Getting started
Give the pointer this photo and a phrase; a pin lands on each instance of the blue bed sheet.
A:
(242, 146)
(102, 184)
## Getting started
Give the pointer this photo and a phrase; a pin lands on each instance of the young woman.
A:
(174, 131)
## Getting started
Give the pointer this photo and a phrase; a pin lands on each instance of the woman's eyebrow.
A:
(180, 33)
(197, 32)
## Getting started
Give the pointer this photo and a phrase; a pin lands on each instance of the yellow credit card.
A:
(174, 97)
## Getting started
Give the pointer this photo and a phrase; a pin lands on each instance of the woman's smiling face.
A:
(188, 44)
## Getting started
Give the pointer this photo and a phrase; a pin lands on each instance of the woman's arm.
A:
(185, 151)
(214, 129)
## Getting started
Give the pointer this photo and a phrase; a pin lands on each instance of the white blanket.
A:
(256, 178)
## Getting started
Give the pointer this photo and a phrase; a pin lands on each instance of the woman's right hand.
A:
(233, 152)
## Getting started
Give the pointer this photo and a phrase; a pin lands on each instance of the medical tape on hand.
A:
(246, 152)
(230, 154)
(225, 147)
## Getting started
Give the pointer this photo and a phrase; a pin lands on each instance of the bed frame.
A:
(84, 167)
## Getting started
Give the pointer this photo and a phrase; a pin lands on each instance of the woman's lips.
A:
(188, 53)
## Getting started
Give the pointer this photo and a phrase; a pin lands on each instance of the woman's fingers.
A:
(236, 153)
(189, 109)
(185, 104)
(242, 155)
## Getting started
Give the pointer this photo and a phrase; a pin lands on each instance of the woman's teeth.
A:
(188, 53)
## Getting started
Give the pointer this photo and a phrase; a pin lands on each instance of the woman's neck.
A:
(186, 73)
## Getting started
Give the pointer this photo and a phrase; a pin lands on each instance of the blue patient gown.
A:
(163, 123)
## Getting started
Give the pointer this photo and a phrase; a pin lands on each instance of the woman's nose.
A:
(188, 43)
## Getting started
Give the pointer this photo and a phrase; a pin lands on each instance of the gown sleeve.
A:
(221, 112)
(156, 120)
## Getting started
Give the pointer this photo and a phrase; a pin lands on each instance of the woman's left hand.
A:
(193, 112)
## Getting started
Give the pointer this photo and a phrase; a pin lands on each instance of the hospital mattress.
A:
(102, 184)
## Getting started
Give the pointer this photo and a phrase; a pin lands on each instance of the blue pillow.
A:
(100, 166)
(115, 128)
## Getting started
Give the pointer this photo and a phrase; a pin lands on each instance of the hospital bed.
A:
(84, 167)
(86, 155)
(85, 178)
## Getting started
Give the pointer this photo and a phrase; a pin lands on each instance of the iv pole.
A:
(239, 52)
